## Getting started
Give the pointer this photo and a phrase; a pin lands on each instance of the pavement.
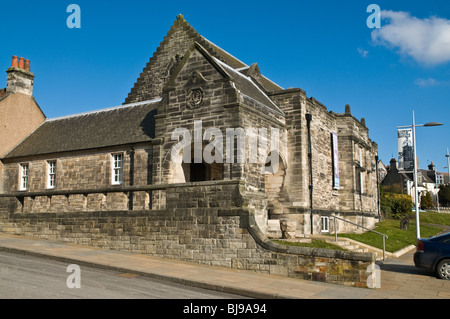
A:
(400, 279)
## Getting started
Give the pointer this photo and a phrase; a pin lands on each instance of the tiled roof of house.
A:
(125, 124)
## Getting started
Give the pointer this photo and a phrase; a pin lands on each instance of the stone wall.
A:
(346, 201)
(83, 170)
(209, 223)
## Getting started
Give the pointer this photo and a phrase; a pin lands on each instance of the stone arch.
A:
(197, 170)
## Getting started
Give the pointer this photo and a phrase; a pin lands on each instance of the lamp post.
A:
(448, 163)
(436, 189)
(416, 199)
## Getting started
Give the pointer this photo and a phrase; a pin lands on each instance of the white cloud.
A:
(426, 82)
(363, 52)
(425, 40)
(430, 82)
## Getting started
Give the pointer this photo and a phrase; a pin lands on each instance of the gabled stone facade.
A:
(191, 85)
(204, 162)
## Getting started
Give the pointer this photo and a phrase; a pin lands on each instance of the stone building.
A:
(428, 181)
(204, 161)
(19, 113)
(191, 88)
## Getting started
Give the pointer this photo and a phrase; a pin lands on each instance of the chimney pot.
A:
(21, 62)
(19, 78)
(15, 61)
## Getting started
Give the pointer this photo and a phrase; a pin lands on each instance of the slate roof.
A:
(236, 64)
(125, 124)
(246, 86)
(226, 57)
(427, 176)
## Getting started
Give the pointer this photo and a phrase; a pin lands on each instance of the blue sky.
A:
(323, 47)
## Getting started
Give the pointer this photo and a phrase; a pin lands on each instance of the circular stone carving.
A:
(194, 98)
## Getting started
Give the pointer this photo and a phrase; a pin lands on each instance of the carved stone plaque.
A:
(194, 98)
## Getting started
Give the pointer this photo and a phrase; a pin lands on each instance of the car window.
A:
(443, 238)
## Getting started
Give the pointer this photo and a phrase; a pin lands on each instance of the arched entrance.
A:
(200, 172)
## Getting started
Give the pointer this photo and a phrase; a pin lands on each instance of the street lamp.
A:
(448, 163)
(416, 199)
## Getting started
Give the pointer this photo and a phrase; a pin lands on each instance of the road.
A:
(28, 277)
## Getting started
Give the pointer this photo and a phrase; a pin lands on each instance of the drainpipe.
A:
(130, 195)
(378, 188)
(308, 124)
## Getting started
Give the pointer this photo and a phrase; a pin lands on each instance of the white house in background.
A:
(427, 180)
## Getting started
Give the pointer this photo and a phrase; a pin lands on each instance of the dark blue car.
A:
(434, 254)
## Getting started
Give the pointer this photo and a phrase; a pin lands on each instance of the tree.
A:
(426, 201)
(444, 195)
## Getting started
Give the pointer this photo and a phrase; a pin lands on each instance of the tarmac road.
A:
(400, 279)
(29, 277)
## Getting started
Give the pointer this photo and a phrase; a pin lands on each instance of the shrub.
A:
(444, 195)
(396, 206)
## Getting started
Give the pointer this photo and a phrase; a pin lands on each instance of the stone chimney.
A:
(393, 164)
(347, 110)
(19, 78)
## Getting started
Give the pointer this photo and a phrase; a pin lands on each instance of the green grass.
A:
(435, 218)
(313, 244)
(398, 238)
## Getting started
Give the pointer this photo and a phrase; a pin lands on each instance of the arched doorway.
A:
(199, 171)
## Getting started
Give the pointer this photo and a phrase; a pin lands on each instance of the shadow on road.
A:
(405, 269)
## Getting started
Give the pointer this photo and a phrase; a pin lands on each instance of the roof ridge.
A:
(112, 108)
(207, 43)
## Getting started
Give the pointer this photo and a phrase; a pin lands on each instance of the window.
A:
(117, 169)
(51, 177)
(335, 159)
(439, 178)
(23, 177)
(324, 224)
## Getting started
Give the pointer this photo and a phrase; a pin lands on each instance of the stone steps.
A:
(351, 245)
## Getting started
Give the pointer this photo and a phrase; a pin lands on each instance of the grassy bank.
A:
(431, 223)
(313, 244)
